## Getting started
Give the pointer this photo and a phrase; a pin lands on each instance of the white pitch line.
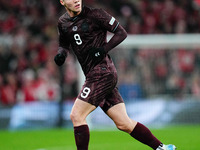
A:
(58, 148)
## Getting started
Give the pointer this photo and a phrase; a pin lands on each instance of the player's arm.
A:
(108, 23)
(62, 49)
(119, 35)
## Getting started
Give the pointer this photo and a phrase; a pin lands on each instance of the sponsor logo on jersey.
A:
(97, 54)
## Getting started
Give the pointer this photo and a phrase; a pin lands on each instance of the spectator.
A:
(8, 89)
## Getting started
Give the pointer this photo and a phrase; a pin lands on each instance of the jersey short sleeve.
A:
(106, 20)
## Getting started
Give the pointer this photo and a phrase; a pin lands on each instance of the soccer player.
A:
(83, 30)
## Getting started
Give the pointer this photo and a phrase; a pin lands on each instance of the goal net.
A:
(159, 65)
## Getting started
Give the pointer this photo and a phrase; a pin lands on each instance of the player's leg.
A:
(119, 115)
(138, 131)
(99, 82)
(80, 111)
(115, 108)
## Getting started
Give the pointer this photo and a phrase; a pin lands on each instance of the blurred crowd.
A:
(169, 73)
(28, 44)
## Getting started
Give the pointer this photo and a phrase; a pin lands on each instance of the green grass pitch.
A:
(184, 137)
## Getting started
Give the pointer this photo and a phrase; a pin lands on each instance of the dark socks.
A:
(144, 135)
(82, 137)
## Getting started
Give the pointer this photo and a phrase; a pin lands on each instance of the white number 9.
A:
(78, 39)
(85, 92)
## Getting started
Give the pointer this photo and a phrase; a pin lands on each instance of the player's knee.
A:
(76, 118)
(123, 127)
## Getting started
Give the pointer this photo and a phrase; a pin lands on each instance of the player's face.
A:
(73, 7)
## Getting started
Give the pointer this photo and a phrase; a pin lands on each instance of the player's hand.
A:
(59, 59)
(97, 53)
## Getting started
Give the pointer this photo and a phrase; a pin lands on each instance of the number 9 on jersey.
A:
(86, 92)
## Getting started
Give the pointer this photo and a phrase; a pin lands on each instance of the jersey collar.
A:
(74, 18)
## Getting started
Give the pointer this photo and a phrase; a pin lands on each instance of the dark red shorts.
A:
(100, 88)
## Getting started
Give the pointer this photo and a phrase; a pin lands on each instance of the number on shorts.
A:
(78, 39)
(85, 92)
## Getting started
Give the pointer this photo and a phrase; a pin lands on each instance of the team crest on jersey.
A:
(75, 28)
(64, 28)
(85, 26)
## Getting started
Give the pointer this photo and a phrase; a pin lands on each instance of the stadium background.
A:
(159, 83)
